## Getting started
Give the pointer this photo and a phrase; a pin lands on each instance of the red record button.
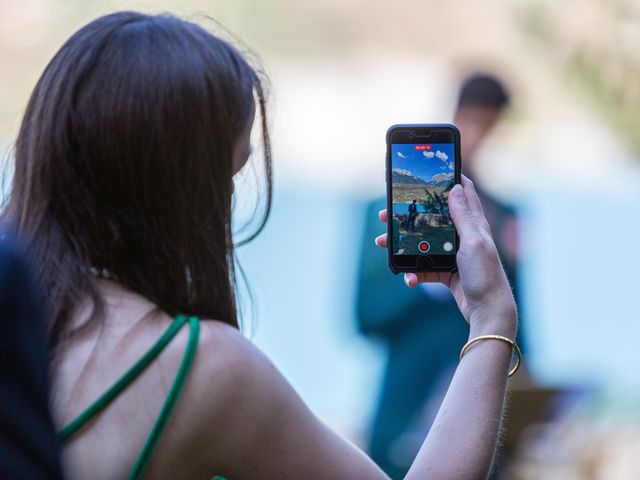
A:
(424, 247)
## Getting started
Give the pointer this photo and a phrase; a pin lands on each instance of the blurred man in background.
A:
(422, 327)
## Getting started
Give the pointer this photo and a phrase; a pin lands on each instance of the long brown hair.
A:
(123, 162)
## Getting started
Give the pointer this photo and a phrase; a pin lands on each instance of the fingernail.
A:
(456, 191)
(408, 278)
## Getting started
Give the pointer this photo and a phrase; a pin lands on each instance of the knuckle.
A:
(479, 243)
(473, 243)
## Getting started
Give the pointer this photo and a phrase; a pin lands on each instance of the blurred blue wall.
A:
(301, 271)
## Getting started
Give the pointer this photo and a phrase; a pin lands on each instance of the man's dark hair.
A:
(483, 90)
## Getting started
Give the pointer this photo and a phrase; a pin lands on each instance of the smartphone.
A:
(423, 165)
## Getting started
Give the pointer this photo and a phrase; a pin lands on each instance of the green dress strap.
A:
(172, 397)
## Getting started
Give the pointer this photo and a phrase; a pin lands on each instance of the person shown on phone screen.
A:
(422, 328)
(413, 213)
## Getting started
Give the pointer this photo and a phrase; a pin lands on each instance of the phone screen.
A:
(422, 175)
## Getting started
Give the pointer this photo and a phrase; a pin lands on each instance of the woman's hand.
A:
(480, 287)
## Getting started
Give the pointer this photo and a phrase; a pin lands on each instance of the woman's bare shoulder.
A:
(225, 357)
(230, 370)
(231, 387)
(251, 423)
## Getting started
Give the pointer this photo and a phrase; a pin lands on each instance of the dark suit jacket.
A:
(28, 441)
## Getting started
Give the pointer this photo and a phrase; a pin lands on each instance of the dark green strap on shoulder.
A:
(172, 397)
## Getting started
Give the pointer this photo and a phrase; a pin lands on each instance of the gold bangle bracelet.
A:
(513, 345)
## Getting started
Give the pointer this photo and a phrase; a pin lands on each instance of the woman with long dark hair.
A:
(122, 192)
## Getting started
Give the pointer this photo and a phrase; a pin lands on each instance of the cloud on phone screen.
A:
(442, 156)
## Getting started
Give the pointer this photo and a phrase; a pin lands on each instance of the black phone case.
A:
(427, 265)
